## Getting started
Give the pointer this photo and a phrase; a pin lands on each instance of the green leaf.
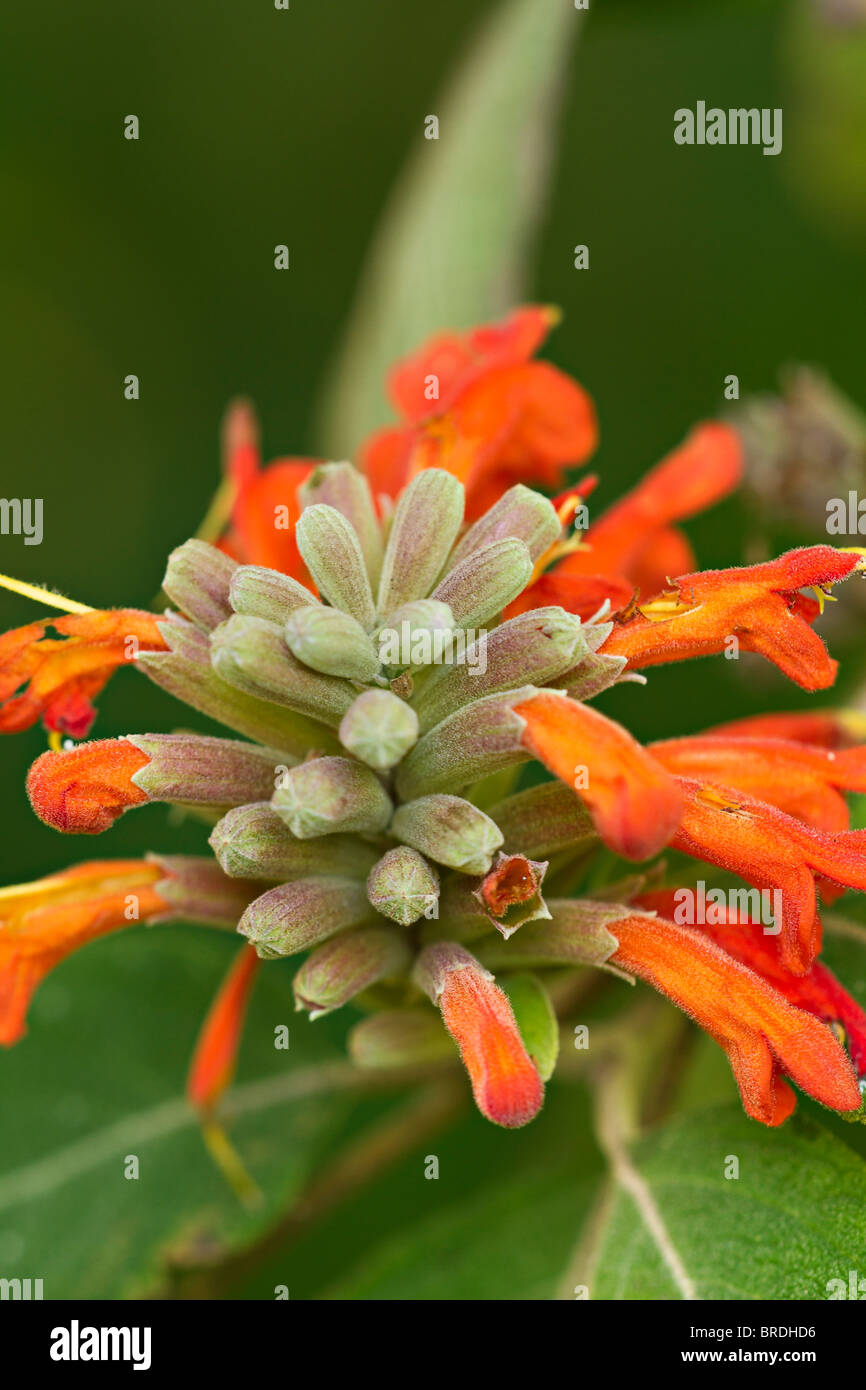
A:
(510, 1236)
(536, 1020)
(100, 1079)
(792, 1221)
(453, 241)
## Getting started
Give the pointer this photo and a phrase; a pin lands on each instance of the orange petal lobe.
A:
(215, 1058)
(635, 804)
(764, 1036)
(82, 791)
(41, 923)
(505, 1084)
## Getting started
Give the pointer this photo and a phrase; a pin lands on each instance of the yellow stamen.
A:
(670, 604)
(18, 586)
(55, 742)
(230, 1164)
(716, 798)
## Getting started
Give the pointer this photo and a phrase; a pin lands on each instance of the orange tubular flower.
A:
(760, 605)
(802, 781)
(764, 1035)
(83, 790)
(215, 1057)
(818, 991)
(476, 405)
(61, 677)
(41, 923)
(635, 805)
(771, 850)
(506, 1086)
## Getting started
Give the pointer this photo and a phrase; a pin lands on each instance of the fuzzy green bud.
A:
(543, 820)
(185, 671)
(342, 486)
(256, 592)
(415, 634)
(294, 916)
(380, 728)
(450, 831)
(332, 642)
(403, 886)
(519, 513)
(326, 795)
(530, 649)
(198, 579)
(196, 770)
(332, 553)
(426, 521)
(252, 841)
(251, 654)
(485, 582)
(471, 743)
(338, 970)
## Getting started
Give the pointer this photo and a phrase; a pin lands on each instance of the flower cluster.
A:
(368, 815)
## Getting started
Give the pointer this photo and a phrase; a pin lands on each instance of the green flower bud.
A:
(347, 964)
(530, 649)
(332, 553)
(328, 640)
(342, 486)
(197, 889)
(294, 916)
(403, 886)
(426, 521)
(580, 932)
(520, 513)
(196, 770)
(485, 582)
(251, 654)
(450, 831)
(543, 821)
(325, 795)
(593, 674)
(185, 671)
(256, 592)
(414, 634)
(197, 579)
(471, 743)
(400, 1038)
(380, 728)
(253, 842)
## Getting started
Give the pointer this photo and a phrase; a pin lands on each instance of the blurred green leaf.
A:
(100, 1079)
(793, 1219)
(453, 242)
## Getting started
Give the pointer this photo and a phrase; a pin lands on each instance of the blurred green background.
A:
(155, 257)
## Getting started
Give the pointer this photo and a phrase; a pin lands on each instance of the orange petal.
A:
(704, 469)
(635, 805)
(61, 677)
(265, 514)
(759, 605)
(582, 594)
(455, 360)
(215, 1057)
(826, 728)
(41, 923)
(763, 1034)
(771, 850)
(803, 781)
(506, 1086)
(385, 458)
(83, 790)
